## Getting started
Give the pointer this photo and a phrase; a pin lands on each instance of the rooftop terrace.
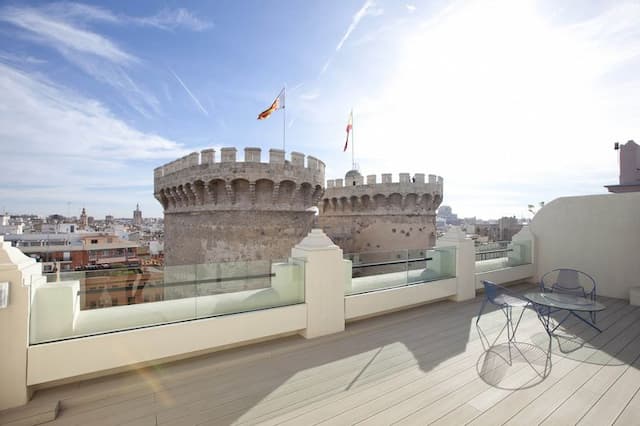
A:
(316, 342)
(420, 366)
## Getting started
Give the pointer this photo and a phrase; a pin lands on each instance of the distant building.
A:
(629, 168)
(84, 220)
(108, 220)
(70, 251)
(59, 228)
(446, 214)
(6, 227)
(501, 230)
(137, 216)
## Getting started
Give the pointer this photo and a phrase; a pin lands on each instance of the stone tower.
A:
(388, 215)
(231, 211)
(84, 220)
(137, 216)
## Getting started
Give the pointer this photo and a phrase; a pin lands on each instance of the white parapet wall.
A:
(365, 305)
(50, 362)
(597, 234)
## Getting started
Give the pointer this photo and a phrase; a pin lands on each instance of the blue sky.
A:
(511, 102)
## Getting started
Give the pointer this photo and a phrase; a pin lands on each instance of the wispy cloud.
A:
(71, 142)
(168, 19)
(310, 96)
(368, 8)
(24, 59)
(95, 55)
(411, 8)
(62, 35)
(355, 20)
(193, 97)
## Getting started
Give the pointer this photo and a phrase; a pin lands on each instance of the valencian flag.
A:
(349, 128)
(277, 104)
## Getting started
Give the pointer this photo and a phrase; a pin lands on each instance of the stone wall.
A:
(381, 214)
(232, 211)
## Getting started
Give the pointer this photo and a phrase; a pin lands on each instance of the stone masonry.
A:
(236, 211)
(377, 216)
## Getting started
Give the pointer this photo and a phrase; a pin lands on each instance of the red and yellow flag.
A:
(277, 104)
(349, 128)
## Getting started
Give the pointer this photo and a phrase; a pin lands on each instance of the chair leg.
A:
(484, 302)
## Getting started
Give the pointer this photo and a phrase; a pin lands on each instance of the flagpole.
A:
(353, 142)
(284, 116)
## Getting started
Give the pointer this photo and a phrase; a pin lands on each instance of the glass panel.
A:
(520, 254)
(81, 303)
(246, 286)
(441, 264)
(377, 270)
(502, 254)
(372, 271)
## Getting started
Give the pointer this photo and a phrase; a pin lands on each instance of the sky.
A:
(512, 103)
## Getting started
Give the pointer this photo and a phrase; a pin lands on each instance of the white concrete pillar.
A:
(465, 262)
(324, 284)
(16, 269)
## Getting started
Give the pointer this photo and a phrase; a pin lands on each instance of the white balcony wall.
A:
(597, 234)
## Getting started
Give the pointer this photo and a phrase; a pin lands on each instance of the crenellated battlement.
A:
(385, 178)
(228, 156)
(382, 195)
(196, 182)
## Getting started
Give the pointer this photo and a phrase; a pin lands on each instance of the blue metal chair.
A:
(570, 281)
(506, 301)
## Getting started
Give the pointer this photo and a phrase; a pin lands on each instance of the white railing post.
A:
(18, 270)
(465, 262)
(324, 284)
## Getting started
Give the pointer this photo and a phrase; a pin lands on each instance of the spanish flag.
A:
(349, 129)
(278, 103)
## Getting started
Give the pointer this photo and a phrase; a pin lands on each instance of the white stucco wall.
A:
(597, 234)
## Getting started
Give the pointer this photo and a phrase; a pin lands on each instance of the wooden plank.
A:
(32, 414)
(513, 405)
(631, 412)
(616, 336)
(607, 409)
(591, 391)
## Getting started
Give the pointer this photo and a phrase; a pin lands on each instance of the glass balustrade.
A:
(379, 270)
(81, 303)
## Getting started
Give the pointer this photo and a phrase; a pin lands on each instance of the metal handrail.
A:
(177, 283)
(391, 262)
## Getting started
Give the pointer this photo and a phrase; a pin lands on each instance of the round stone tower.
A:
(232, 211)
(374, 216)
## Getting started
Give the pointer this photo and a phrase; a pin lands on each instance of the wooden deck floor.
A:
(425, 365)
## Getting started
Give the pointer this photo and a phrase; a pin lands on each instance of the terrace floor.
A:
(424, 365)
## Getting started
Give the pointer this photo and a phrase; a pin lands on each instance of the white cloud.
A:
(81, 11)
(497, 96)
(52, 135)
(23, 59)
(355, 20)
(168, 19)
(94, 54)
(411, 8)
(368, 8)
(62, 35)
(310, 96)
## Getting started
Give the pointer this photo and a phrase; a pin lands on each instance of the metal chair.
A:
(570, 281)
(503, 298)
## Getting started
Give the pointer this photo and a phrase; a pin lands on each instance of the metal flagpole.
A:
(284, 115)
(353, 139)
